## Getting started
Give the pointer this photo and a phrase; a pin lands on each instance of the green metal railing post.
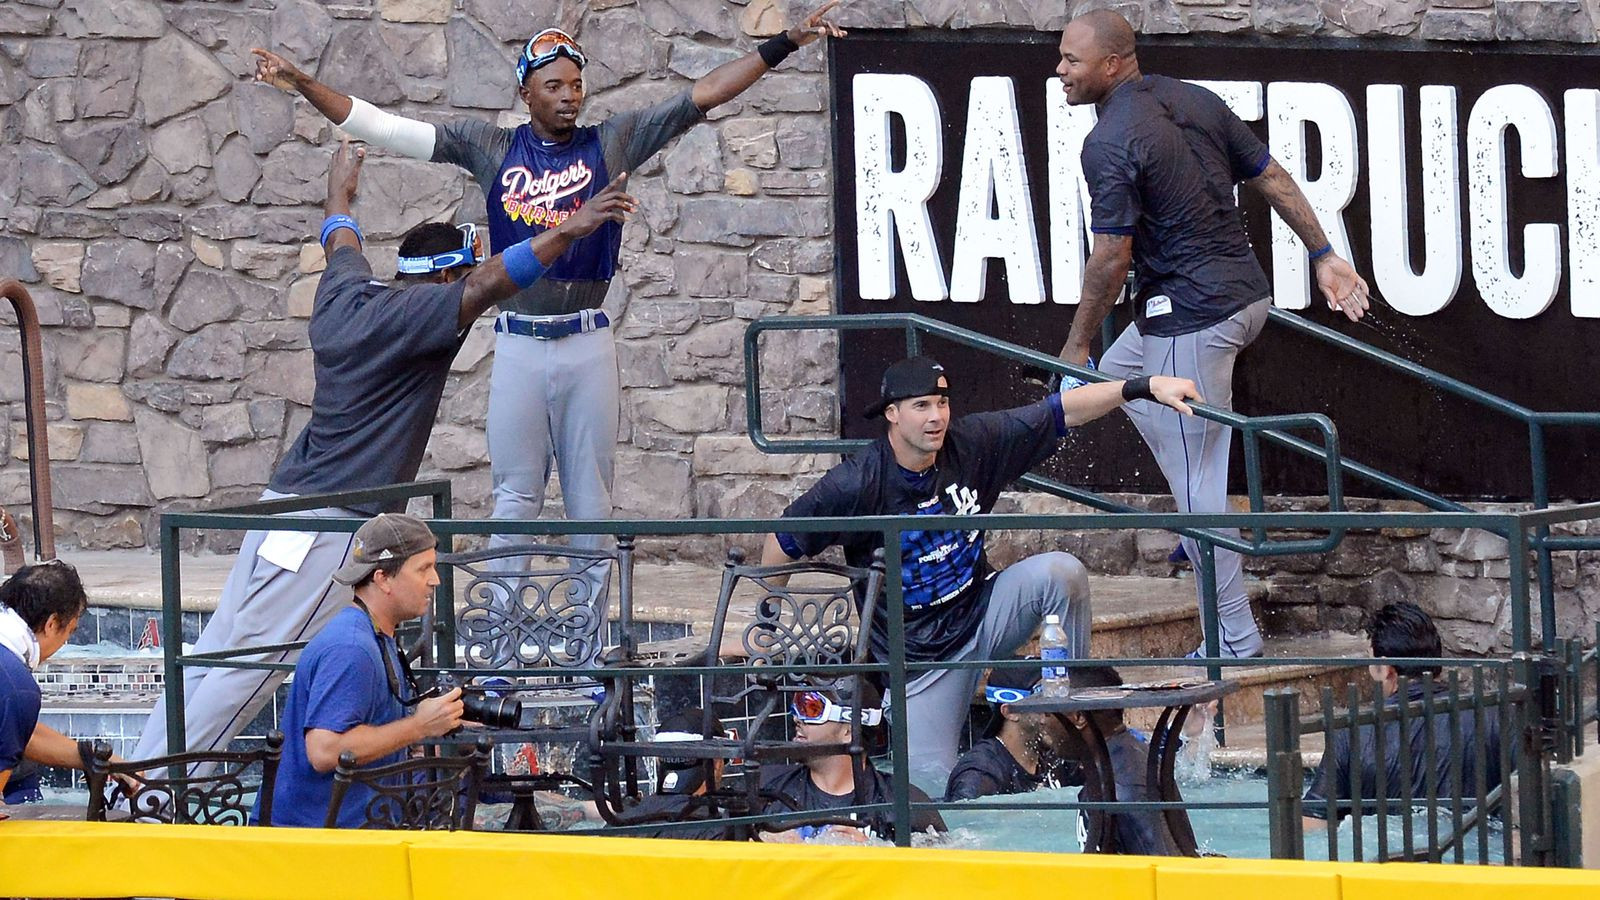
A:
(899, 746)
(1541, 500)
(1211, 626)
(1285, 775)
(444, 597)
(1521, 627)
(172, 638)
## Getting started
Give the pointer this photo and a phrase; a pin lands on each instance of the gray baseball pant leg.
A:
(260, 604)
(1193, 452)
(1019, 598)
(557, 400)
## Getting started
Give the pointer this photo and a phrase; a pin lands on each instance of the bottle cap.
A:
(1052, 620)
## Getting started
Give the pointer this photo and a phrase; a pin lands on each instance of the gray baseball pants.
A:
(260, 604)
(554, 400)
(1020, 597)
(1193, 452)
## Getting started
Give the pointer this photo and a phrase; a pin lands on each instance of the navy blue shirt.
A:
(942, 572)
(339, 683)
(1162, 163)
(381, 355)
(19, 709)
(989, 769)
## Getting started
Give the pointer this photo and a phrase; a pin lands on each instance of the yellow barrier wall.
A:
(77, 859)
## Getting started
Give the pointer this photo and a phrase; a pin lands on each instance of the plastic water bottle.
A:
(1053, 647)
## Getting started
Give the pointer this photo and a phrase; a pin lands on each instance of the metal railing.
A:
(897, 671)
(44, 531)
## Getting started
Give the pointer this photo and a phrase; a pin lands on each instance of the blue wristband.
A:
(523, 267)
(1321, 252)
(336, 222)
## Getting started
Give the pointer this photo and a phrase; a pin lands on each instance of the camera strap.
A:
(388, 670)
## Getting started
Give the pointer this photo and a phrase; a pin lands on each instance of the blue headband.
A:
(470, 254)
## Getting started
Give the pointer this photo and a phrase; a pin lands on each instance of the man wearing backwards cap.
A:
(956, 606)
(553, 393)
(351, 686)
(381, 356)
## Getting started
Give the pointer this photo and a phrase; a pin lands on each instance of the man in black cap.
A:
(351, 686)
(1019, 752)
(957, 606)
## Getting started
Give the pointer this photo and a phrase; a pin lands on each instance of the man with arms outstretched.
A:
(1162, 163)
(553, 394)
(381, 355)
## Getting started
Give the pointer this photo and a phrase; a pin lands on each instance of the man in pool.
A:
(1019, 752)
(1402, 630)
(823, 783)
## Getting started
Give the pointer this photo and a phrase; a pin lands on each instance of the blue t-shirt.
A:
(942, 572)
(1161, 164)
(339, 683)
(19, 711)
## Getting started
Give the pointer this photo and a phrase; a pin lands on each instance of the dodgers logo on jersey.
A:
(531, 199)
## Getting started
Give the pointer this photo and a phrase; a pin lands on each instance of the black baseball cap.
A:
(918, 376)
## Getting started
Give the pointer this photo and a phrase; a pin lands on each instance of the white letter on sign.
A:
(993, 175)
(891, 203)
(1398, 281)
(1290, 106)
(1583, 200)
(1499, 109)
(1069, 193)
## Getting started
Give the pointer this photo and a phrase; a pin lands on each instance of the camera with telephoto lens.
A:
(489, 711)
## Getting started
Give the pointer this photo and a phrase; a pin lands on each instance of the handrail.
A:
(39, 492)
(1273, 428)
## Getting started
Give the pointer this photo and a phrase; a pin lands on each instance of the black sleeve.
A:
(834, 495)
(970, 783)
(346, 268)
(1112, 173)
(1331, 781)
(630, 138)
(1247, 155)
(1012, 441)
(476, 146)
(924, 819)
(423, 318)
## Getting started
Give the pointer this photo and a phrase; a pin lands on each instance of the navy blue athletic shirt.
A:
(942, 572)
(541, 184)
(1162, 163)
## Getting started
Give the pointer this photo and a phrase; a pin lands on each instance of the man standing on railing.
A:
(1162, 164)
(381, 355)
(957, 607)
(553, 395)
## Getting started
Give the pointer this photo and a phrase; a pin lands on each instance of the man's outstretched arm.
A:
(730, 79)
(344, 176)
(358, 117)
(1345, 290)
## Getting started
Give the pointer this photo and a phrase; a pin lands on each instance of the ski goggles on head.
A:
(1001, 695)
(812, 708)
(545, 48)
(470, 254)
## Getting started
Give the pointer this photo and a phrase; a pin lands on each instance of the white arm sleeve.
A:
(389, 131)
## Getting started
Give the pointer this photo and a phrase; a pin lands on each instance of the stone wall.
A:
(161, 207)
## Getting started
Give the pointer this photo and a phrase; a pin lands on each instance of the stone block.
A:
(1471, 599)
(178, 76)
(1385, 17)
(754, 141)
(629, 47)
(419, 50)
(694, 166)
(110, 442)
(244, 465)
(788, 256)
(1476, 545)
(695, 409)
(180, 145)
(207, 253)
(174, 457)
(706, 273)
(720, 219)
(119, 18)
(357, 61)
(415, 192)
(514, 21)
(97, 401)
(1286, 16)
(1420, 556)
(302, 297)
(653, 318)
(453, 447)
(472, 54)
(97, 488)
(53, 179)
(786, 92)
(763, 18)
(266, 417)
(226, 423)
(205, 296)
(263, 115)
(25, 20)
(654, 485)
(312, 258)
(107, 79)
(110, 315)
(94, 354)
(735, 455)
(63, 442)
(642, 364)
(17, 260)
(265, 261)
(61, 264)
(740, 182)
(108, 151)
(695, 18)
(294, 174)
(282, 373)
(802, 143)
(476, 348)
(215, 352)
(1544, 20)
(711, 352)
(694, 60)
(435, 11)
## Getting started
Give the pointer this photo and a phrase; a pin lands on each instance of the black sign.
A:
(1463, 182)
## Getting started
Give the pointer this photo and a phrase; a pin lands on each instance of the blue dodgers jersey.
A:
(539, 186)
(939, 566)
